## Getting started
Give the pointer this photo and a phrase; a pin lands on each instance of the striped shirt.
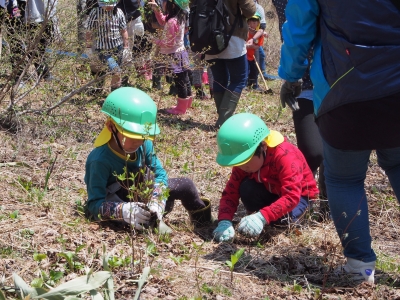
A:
(106, 26)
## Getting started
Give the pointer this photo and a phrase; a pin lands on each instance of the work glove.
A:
(252, 225)
(289, 92)
(157, 207)
(88, 52)
(126, 56)
(135, 214)
(224, 232)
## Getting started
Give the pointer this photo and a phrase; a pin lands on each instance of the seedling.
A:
(234, 259)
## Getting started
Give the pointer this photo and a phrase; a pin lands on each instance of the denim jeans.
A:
(262, 59)
(229, 74)
(345, 173)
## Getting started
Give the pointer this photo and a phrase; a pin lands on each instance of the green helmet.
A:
(239, 137)
(107, 2)
(133, 110)
(183, 4)
(256, 16)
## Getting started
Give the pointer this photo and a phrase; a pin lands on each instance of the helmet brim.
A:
(105, 135)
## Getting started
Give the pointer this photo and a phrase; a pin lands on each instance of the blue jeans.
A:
(109, 56)
(345, 173)
(229, 74)
(262, 60)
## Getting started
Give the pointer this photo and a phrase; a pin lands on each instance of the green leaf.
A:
(239, 253)
(56, 275)
(141, 282)
(2, 297)
(96, 295)
(39, 256)
(79, 248)
(230, 265)
(234, 259)
(77, 286)
(37, 282)
(23, 287)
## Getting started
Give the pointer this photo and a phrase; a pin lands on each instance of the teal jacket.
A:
(102, 164)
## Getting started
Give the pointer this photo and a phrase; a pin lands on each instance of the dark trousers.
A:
(253, 74)
(255, 196)
(183, 189)
(21, 37)
(309, 140)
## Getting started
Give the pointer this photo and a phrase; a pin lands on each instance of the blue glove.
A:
(252, 225)
(224, 232)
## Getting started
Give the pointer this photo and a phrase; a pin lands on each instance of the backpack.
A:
(208, 26)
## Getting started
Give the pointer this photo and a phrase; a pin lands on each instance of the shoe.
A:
(357, 270)
(180, 108)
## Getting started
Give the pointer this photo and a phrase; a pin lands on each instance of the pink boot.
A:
(180, 108)
(204, 77)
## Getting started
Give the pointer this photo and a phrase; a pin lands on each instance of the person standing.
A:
(356, 74)
(308, 137)
(229, 67)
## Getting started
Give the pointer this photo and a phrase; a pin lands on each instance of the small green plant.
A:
(39, 257)
(234, 259)
(297, 287)
(14, 215)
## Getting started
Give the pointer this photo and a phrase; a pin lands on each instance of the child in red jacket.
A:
(269, 175)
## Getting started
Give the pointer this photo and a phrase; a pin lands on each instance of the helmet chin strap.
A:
(114, 133)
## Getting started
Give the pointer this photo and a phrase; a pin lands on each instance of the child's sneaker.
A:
(358, 270)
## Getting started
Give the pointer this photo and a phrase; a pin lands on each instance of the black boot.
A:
(202, 216)
(173, 90)
(156, 82)
(227, 107)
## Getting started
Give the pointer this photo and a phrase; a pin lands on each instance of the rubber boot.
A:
(180, 108)
(156, 79)
(202, 216)
(227, 107)
(218, 100)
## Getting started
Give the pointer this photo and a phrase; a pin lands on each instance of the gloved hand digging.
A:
(156, 207)
(289, 92)
(134, 214)
(252, 225)
(224, 231)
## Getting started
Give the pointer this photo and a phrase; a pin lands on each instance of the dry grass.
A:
(284, 263)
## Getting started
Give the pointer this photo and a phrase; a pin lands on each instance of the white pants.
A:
(135, 27)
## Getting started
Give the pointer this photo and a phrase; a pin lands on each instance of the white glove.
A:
(135, 214)
(126, 56)
(252, 225)
(88, 52)
(157, 207)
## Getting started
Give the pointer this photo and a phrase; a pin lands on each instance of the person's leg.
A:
(252, 74)
(389, 161)
(255, 196)
(183, 189)
(309, 140)
(345, 172)
(221, 77)
(238, 72)
(262, 62)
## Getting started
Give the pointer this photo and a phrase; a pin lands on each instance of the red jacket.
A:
(285, 172)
